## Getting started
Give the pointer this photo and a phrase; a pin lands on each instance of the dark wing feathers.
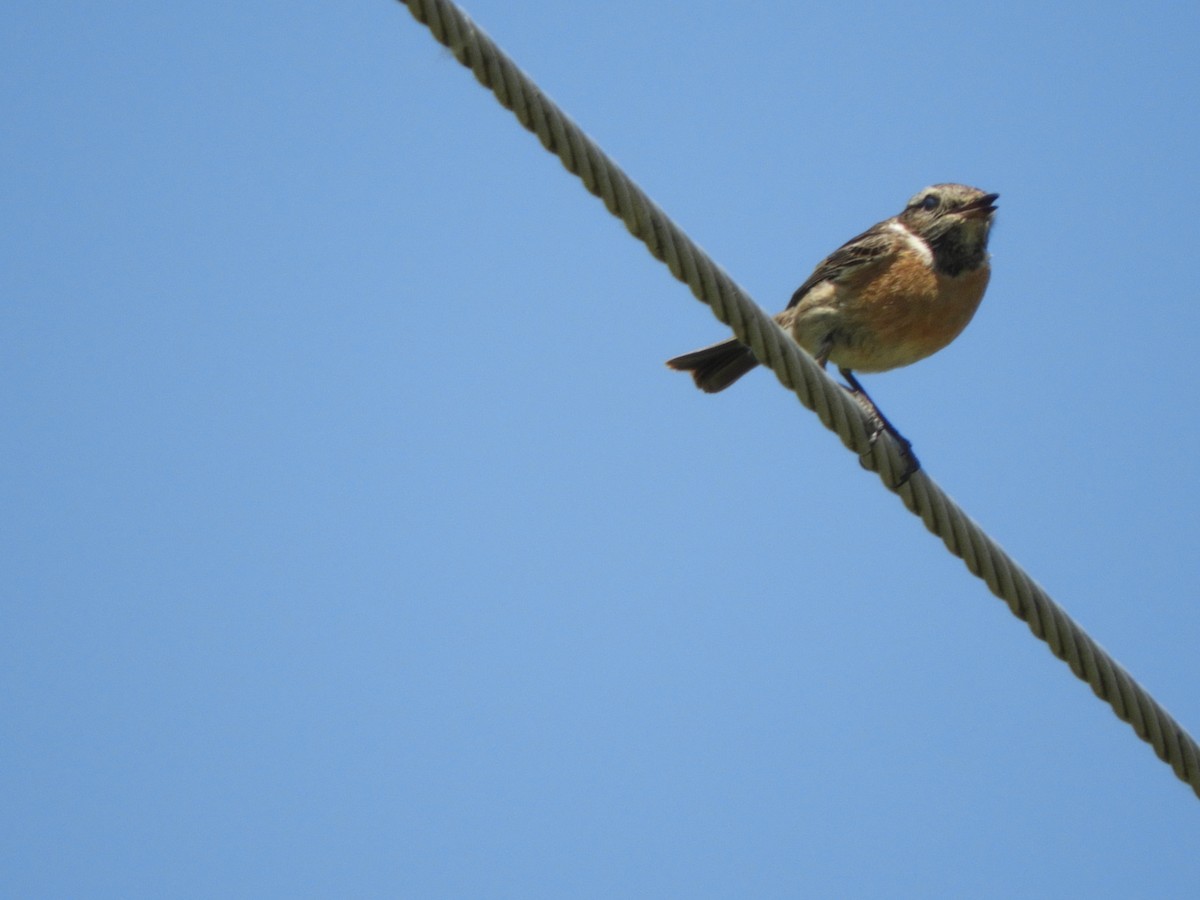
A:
(871, 246)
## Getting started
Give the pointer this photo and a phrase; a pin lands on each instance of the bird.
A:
(889, 297)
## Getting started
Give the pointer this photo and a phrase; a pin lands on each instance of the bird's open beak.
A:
(978, 209)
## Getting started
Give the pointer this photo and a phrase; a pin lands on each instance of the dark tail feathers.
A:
(717, 367)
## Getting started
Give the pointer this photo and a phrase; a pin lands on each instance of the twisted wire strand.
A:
(819, 393)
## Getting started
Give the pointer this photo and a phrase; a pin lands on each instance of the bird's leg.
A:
(911, 463)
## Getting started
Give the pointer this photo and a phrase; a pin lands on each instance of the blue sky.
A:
(358, 542)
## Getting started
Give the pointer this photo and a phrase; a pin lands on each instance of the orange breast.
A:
(903, 313)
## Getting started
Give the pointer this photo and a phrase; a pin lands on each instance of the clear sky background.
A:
(357, 542)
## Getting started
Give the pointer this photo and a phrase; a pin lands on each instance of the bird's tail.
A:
(717, 367)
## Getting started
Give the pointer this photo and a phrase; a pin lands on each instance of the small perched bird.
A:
(899, 292)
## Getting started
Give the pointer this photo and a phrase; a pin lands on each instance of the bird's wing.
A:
(872, 246)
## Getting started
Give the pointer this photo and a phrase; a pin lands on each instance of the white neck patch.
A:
(915, 243)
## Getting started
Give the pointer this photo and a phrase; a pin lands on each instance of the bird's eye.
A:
(930, 202)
